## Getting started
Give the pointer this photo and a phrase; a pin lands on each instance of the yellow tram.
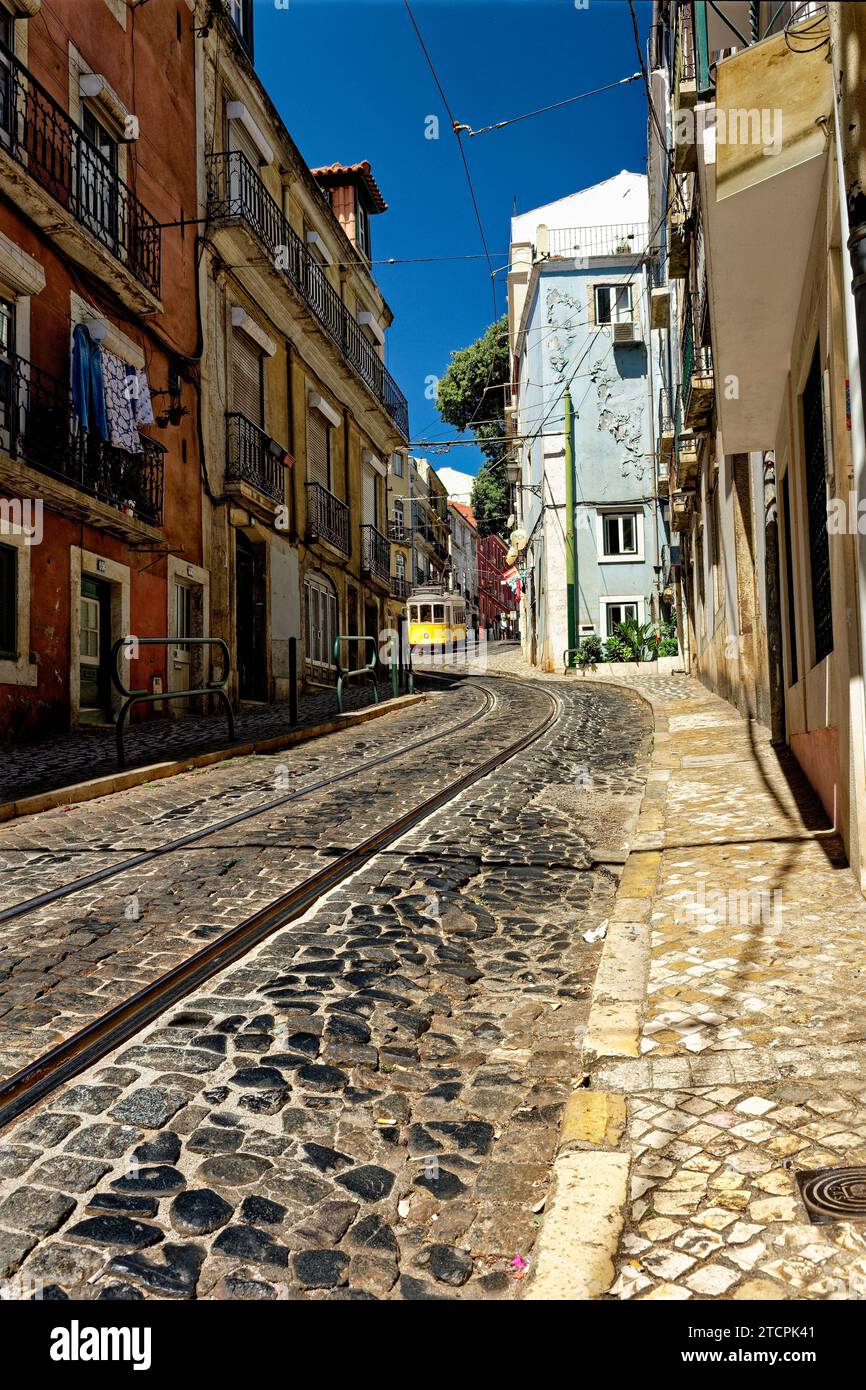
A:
(435, 617)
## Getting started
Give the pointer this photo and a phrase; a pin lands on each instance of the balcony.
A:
(399, 532)
(375, 554)
(660, 296)
(36, 430)
(667, 423)
(327, 517)
(615, 239)
(61, 181)
(687, 458)
(235, 193)
(253, 458)
(698, 390)
(400, 586)
(428, 530)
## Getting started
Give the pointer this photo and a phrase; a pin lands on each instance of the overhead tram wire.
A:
(651, 104)
(553, 106)
(455, 126)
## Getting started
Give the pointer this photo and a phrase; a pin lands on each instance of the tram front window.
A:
(424, 613)
(439, 612)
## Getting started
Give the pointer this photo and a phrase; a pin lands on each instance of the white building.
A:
(463, 575)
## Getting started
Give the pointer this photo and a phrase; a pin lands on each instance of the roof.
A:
(620, 199)
(465, 511)
(332, 174)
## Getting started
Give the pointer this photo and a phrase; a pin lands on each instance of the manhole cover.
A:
(833, 1194)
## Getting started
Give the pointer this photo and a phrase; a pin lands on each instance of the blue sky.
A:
(351, 82)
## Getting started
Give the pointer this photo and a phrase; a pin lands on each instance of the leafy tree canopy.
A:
(471, 396)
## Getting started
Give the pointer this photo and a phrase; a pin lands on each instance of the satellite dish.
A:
(518, 539)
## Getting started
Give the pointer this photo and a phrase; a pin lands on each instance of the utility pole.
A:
(570, 547)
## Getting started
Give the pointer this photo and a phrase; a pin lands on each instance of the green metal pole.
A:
(570, 549)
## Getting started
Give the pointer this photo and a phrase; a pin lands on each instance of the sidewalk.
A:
(29, 767)
(730, 1013)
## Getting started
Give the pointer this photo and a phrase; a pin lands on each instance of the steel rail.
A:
(64, 890)
(26, 1087)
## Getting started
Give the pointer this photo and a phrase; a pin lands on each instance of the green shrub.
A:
(590, 653)
(638, 640)
(615, 649)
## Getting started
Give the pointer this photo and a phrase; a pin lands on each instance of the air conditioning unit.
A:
(626, 333)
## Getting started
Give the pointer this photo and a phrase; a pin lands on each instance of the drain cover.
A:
(833, 1194)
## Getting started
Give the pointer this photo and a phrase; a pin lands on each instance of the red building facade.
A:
(496, 600)
(100, 488)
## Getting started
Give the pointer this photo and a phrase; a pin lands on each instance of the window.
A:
(399, 520)
(369, 496)
(816, 504)
(97, 178)
(617, 611)
(8, 602)
(362, 227)
(320, 621)
(439, 612)
(247, 378)
(7, 369)
(318, 449)
(400, 567)
(7, 29)
(397, 465)
(619, 534)
(613, 304)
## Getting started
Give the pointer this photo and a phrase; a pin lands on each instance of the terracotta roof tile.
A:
(334, 173)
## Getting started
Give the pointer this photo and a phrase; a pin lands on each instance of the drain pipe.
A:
(570, 547)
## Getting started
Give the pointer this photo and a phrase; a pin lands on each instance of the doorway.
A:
(250, 618)
(94, 648)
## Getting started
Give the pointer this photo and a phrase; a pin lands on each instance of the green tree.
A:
(471, 396)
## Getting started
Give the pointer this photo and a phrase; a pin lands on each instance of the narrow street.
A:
(368, 1102)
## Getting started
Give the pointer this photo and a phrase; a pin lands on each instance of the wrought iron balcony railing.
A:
(398, 531)
(697, 359)
(616, 239)
(251, 457)
(39, 135)
(236, 193)
(375, 553)
(327, 517)
(400, 586)
(36, 425)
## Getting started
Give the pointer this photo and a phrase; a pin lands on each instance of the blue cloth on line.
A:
(88, 387)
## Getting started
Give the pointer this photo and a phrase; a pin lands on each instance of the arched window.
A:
(321, 622)
(400, 566)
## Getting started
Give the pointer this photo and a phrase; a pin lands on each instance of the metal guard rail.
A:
(141, 697)
(342, 673)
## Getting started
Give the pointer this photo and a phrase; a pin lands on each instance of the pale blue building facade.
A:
(580, 320)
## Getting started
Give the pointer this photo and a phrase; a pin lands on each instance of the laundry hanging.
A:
(88, 383)
(122, 427)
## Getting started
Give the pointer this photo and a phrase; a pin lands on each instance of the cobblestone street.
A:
(368, 1103)
(725, 1042)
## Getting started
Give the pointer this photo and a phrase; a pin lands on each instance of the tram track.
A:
(29, 1085)
(135, 861)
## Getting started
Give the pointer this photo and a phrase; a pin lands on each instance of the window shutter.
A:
(318, 461)
(246, 378)
(369, 496)
(240, 139)
(8, 601)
